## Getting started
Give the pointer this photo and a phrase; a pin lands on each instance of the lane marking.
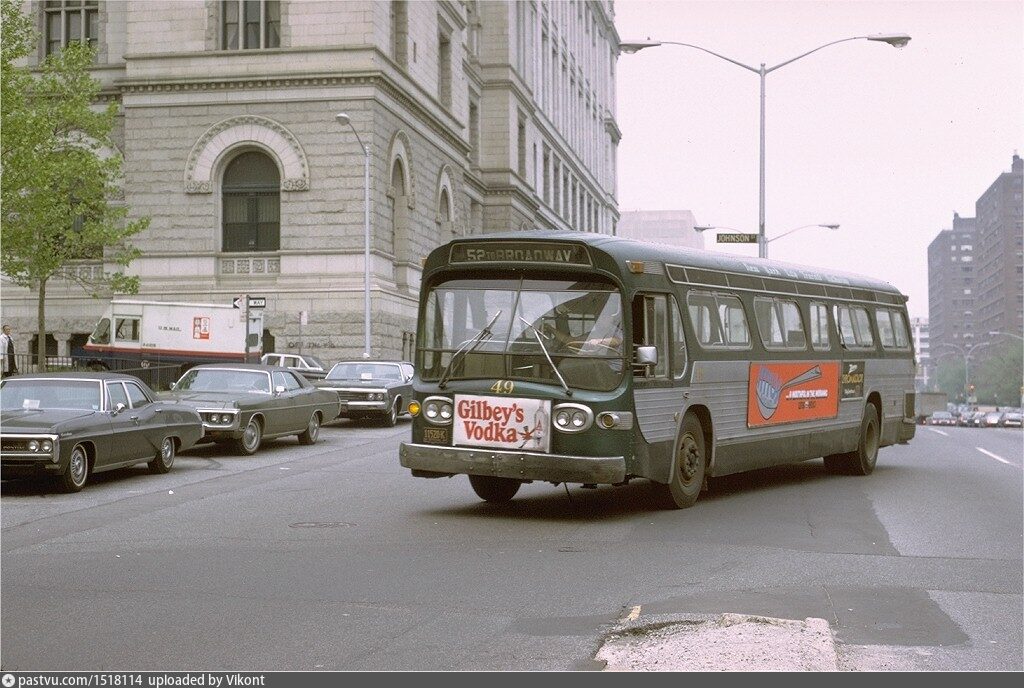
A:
(944, 434)
(996, 457)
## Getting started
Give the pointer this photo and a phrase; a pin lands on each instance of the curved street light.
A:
(1005, 334)
(344, 120)
(896, 40)
(966, 353)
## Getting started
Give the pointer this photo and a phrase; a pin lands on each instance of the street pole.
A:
(366, 251)
(344, 120)
(762, 241)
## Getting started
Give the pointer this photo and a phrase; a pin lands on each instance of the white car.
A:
(309, 367)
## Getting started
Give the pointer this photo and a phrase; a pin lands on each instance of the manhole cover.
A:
(321, 524)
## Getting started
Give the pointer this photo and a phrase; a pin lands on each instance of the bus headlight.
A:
(438, 410)
(573, 417)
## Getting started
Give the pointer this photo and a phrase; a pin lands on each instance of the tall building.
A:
(951, 284)
(998, 254)
(476, 117)
(919, 328)
(673, 227)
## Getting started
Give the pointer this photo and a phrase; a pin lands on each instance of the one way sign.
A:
(249, 302)
(237, 303)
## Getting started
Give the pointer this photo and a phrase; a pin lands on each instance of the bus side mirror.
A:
(647, 355)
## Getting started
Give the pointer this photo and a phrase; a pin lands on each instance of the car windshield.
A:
(365, 371)
(577, 327)
(225, 380)
(314, 362)
(51, 394)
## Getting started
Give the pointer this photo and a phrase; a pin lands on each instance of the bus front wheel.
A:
(863, 460)
(492, 489)
(687, 478)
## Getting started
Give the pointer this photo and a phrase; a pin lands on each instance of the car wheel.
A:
(687, 478)
(496, 490)
(250, 440)
(164, 458)
(312, 431)
(392, 417)
(74, 476)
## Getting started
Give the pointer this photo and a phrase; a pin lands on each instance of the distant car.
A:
(371, 389)
(71, 425)
(942, 418)
(992, 419)
(309, 367)
(1012, 419)
(244, 404)
(976, 418)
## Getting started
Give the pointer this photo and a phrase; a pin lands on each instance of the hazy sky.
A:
(888, 143)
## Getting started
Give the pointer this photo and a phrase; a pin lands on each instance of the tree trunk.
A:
(41, 341)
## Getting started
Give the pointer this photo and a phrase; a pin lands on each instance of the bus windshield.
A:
(578, 324)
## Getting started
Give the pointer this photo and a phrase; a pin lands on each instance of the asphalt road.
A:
(332, 557)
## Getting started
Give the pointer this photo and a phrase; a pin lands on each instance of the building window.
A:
(521, 146)
(444, 69)
(251, 204)
(474, 132)
(250, 24)
(71, 20)
(400, 32)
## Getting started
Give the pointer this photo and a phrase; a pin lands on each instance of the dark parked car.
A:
(243, 404)
(71, 425)
(309, 367)
(371, 389)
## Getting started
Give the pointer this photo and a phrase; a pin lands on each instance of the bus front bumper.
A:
(429, 461)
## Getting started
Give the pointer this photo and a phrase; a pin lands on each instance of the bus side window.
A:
(819, 327)
(899, 326)
(844, 323)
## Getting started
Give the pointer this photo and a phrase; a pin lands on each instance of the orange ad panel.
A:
(780, 393)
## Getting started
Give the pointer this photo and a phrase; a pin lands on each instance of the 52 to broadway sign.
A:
(780, 393)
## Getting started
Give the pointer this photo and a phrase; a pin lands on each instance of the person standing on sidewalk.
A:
(10, 365)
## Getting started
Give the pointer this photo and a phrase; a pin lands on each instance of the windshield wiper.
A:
(536, 333)
(465, 349)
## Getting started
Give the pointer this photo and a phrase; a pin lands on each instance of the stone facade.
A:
(478, 116)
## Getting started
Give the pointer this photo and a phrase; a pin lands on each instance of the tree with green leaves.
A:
(59, 178)
(999, 377)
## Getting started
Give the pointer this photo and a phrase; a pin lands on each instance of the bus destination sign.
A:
(519, 252)
(736, 238)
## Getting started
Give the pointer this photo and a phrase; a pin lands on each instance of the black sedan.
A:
(71, 425)
(371, 389)
(243, 404)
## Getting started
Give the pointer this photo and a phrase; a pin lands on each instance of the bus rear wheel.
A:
(863, 460)
(688, 470)
(497, 490)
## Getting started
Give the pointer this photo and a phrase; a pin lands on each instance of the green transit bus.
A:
(569, 357)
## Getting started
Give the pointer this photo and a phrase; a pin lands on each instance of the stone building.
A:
(672, 227)
(1000, 253)
(478, 117)
(951, 285)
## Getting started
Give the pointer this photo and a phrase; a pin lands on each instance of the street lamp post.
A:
(966, 353)
(733, 230)
(344, 120)
(897, 40)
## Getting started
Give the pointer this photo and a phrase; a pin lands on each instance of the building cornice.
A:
(377, 80)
